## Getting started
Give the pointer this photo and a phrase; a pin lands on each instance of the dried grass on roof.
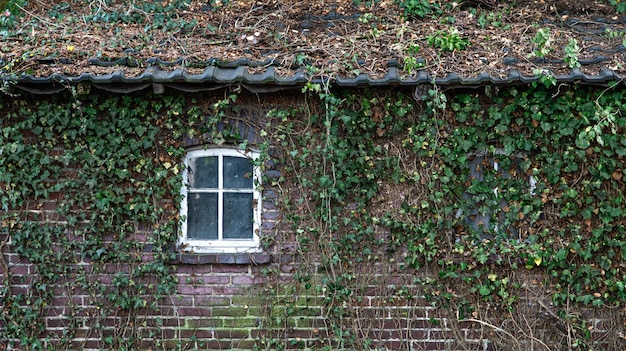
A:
(338, 38)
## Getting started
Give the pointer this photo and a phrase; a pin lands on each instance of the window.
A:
(483, 196)
(221, 204)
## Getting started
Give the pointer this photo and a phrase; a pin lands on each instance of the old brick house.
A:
(323, 178)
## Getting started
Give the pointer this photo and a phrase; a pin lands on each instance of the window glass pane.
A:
(237, 173)
(202, 172)
(238, 215)
(202, 216)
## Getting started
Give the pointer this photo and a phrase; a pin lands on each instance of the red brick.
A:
(429, 345)
(246, 344)
(182, 301)
(373, 313)
(243, 280)
(437, 334)
(287, 269)
(228, 290)
(51, 334)
(211, 280)
(396, 345)
(184, 270)
(13, 259)
(177, 300)
(204, 300)
(86, 333)
(88, 344)
(410, 334)
(55, 311)
(229, 334)
(216, 344)
(474, 334)
(229, 268)
(194, 290)
(57, 322)
(23, 280)
(150, 343)
(196, 333)
(21, 269)
(194, 311)
(307, 333)
(167, 322)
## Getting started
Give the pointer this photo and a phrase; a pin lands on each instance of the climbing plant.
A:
(110, 164)
(459, 194)
(474, 187)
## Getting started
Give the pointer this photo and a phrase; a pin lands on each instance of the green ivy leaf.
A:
(582, 141)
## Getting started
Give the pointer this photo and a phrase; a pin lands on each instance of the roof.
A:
(265, 46)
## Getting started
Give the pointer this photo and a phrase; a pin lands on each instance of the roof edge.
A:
(269, 80)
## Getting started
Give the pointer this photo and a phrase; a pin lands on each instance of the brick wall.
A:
(236, 306)
(235, 301)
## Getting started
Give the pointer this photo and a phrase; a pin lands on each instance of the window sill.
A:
(222, 258)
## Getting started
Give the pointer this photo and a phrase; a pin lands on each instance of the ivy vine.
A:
(462, 191)
(387, 180)
(110, 164)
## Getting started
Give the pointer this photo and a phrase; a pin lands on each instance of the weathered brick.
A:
(55, 311)
(194, 290)
(304, 322)
(215, 344)
(238, 333)
(269, 205)
(473, 333)
(245, 344)
(171, 322)
(240, 322)
(20, 270)
(57, 322)
(222, 268)
(270, 194)
(308, 301)
(272, 174)
(407, 334)
(207, 259)
(191, 323)
(194, 311)
(268, 226)
(158, 333)
(87, 344)
(177, 344)
(229, 290)
(211, 300)
(196, 333)
(201, 269)
(438, 334)
(243, 280)
(244, 300)
(229, 311)
(184, 300)
(429, 345)
(270, 215)
(213, 280)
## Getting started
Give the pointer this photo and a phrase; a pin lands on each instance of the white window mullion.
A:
(220, 244)
(220, 197)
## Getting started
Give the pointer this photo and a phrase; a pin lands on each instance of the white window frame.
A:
(220, 245)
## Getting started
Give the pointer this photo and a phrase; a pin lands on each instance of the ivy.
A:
(476, 188)
(389, 178)
(109, 166)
